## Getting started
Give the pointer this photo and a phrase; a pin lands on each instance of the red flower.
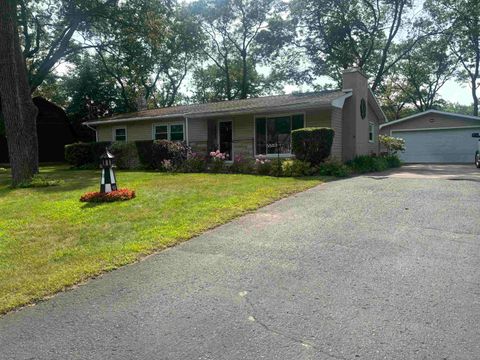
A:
(117, 195)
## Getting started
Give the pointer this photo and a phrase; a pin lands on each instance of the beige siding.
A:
(318, 118)
(336, 121)
(197, 134)
(373, 148)
(139, 130)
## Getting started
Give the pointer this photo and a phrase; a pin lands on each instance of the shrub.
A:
(312, 144)
(364, 163)
(176, 152)
(263, 166)
(296, 168)
(85, 154)
(392, 144)
(195, 163)
(3, 171)
(217, 161)
(117, 195)
(78, 154)
(145, 153)
(393, 161)
(333, 168)
(241, 165)
(126, 155)
(40, 181)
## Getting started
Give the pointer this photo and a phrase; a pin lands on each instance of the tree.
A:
(146, 50)
(460, 22)
(17, 108)
(233, 29)
(338, 34)
(50, 31)
(425, 71)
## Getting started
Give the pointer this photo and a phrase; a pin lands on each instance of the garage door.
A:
(439, 146)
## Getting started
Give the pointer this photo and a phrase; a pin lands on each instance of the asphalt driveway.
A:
(373, 267)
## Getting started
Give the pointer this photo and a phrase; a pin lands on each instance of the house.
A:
(53, 130)
(436, 137)
(261, 125)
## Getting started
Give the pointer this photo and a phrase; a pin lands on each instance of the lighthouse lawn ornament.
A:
(108, 182)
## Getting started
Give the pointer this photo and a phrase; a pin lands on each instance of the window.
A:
(120, 134)
(161, 132)
(173, 132)
(273, 134)
(371, 132)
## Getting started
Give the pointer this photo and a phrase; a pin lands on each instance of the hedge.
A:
(128, 155)
(312, 144)
(82, 154)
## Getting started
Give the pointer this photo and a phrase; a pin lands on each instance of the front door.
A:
(225, 137)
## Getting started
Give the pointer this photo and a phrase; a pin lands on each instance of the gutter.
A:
(92, 128)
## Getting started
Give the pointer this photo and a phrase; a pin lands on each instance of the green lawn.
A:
(49, 240)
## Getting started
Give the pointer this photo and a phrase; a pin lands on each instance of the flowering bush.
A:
(195, 163)
(217, 155)
(241, 165)
(263, 165)
(166, 165)
(117, 195)
(218, 161)
(392, 144)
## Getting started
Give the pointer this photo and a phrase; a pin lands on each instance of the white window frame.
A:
(371, 126)
(282, 155)
(114, 133)
(169, 129)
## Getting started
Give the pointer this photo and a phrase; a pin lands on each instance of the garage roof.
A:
(443, 113)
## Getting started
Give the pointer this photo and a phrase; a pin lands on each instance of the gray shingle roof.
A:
(307, 100)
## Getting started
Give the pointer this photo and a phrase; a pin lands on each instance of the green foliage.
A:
(365, 163)
(3, 170)
(296, 168)
(78, 154)
(333, 168)
(344, 33)
(392, 144)
(393, 161)
(145, 153)
(126, 155)
(312, 144)
(242, 165)
(39, 181)
(173, 151)
(263, 166)
(194, 164)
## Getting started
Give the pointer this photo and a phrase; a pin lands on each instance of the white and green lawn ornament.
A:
(108, 182)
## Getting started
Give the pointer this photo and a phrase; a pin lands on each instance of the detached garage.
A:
(436, 137)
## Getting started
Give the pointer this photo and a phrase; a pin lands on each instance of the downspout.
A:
(94, 129)
(186, 131)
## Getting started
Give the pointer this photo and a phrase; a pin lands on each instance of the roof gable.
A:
(435, 112)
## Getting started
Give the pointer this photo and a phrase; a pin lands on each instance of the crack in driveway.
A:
(294, 339)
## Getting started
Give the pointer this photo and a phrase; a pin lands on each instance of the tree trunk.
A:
(18, 110)
(474, 96)
(244, 92)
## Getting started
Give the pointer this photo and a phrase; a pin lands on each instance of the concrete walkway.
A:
(373, 267)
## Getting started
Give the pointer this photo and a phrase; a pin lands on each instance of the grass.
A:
(49, 240)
